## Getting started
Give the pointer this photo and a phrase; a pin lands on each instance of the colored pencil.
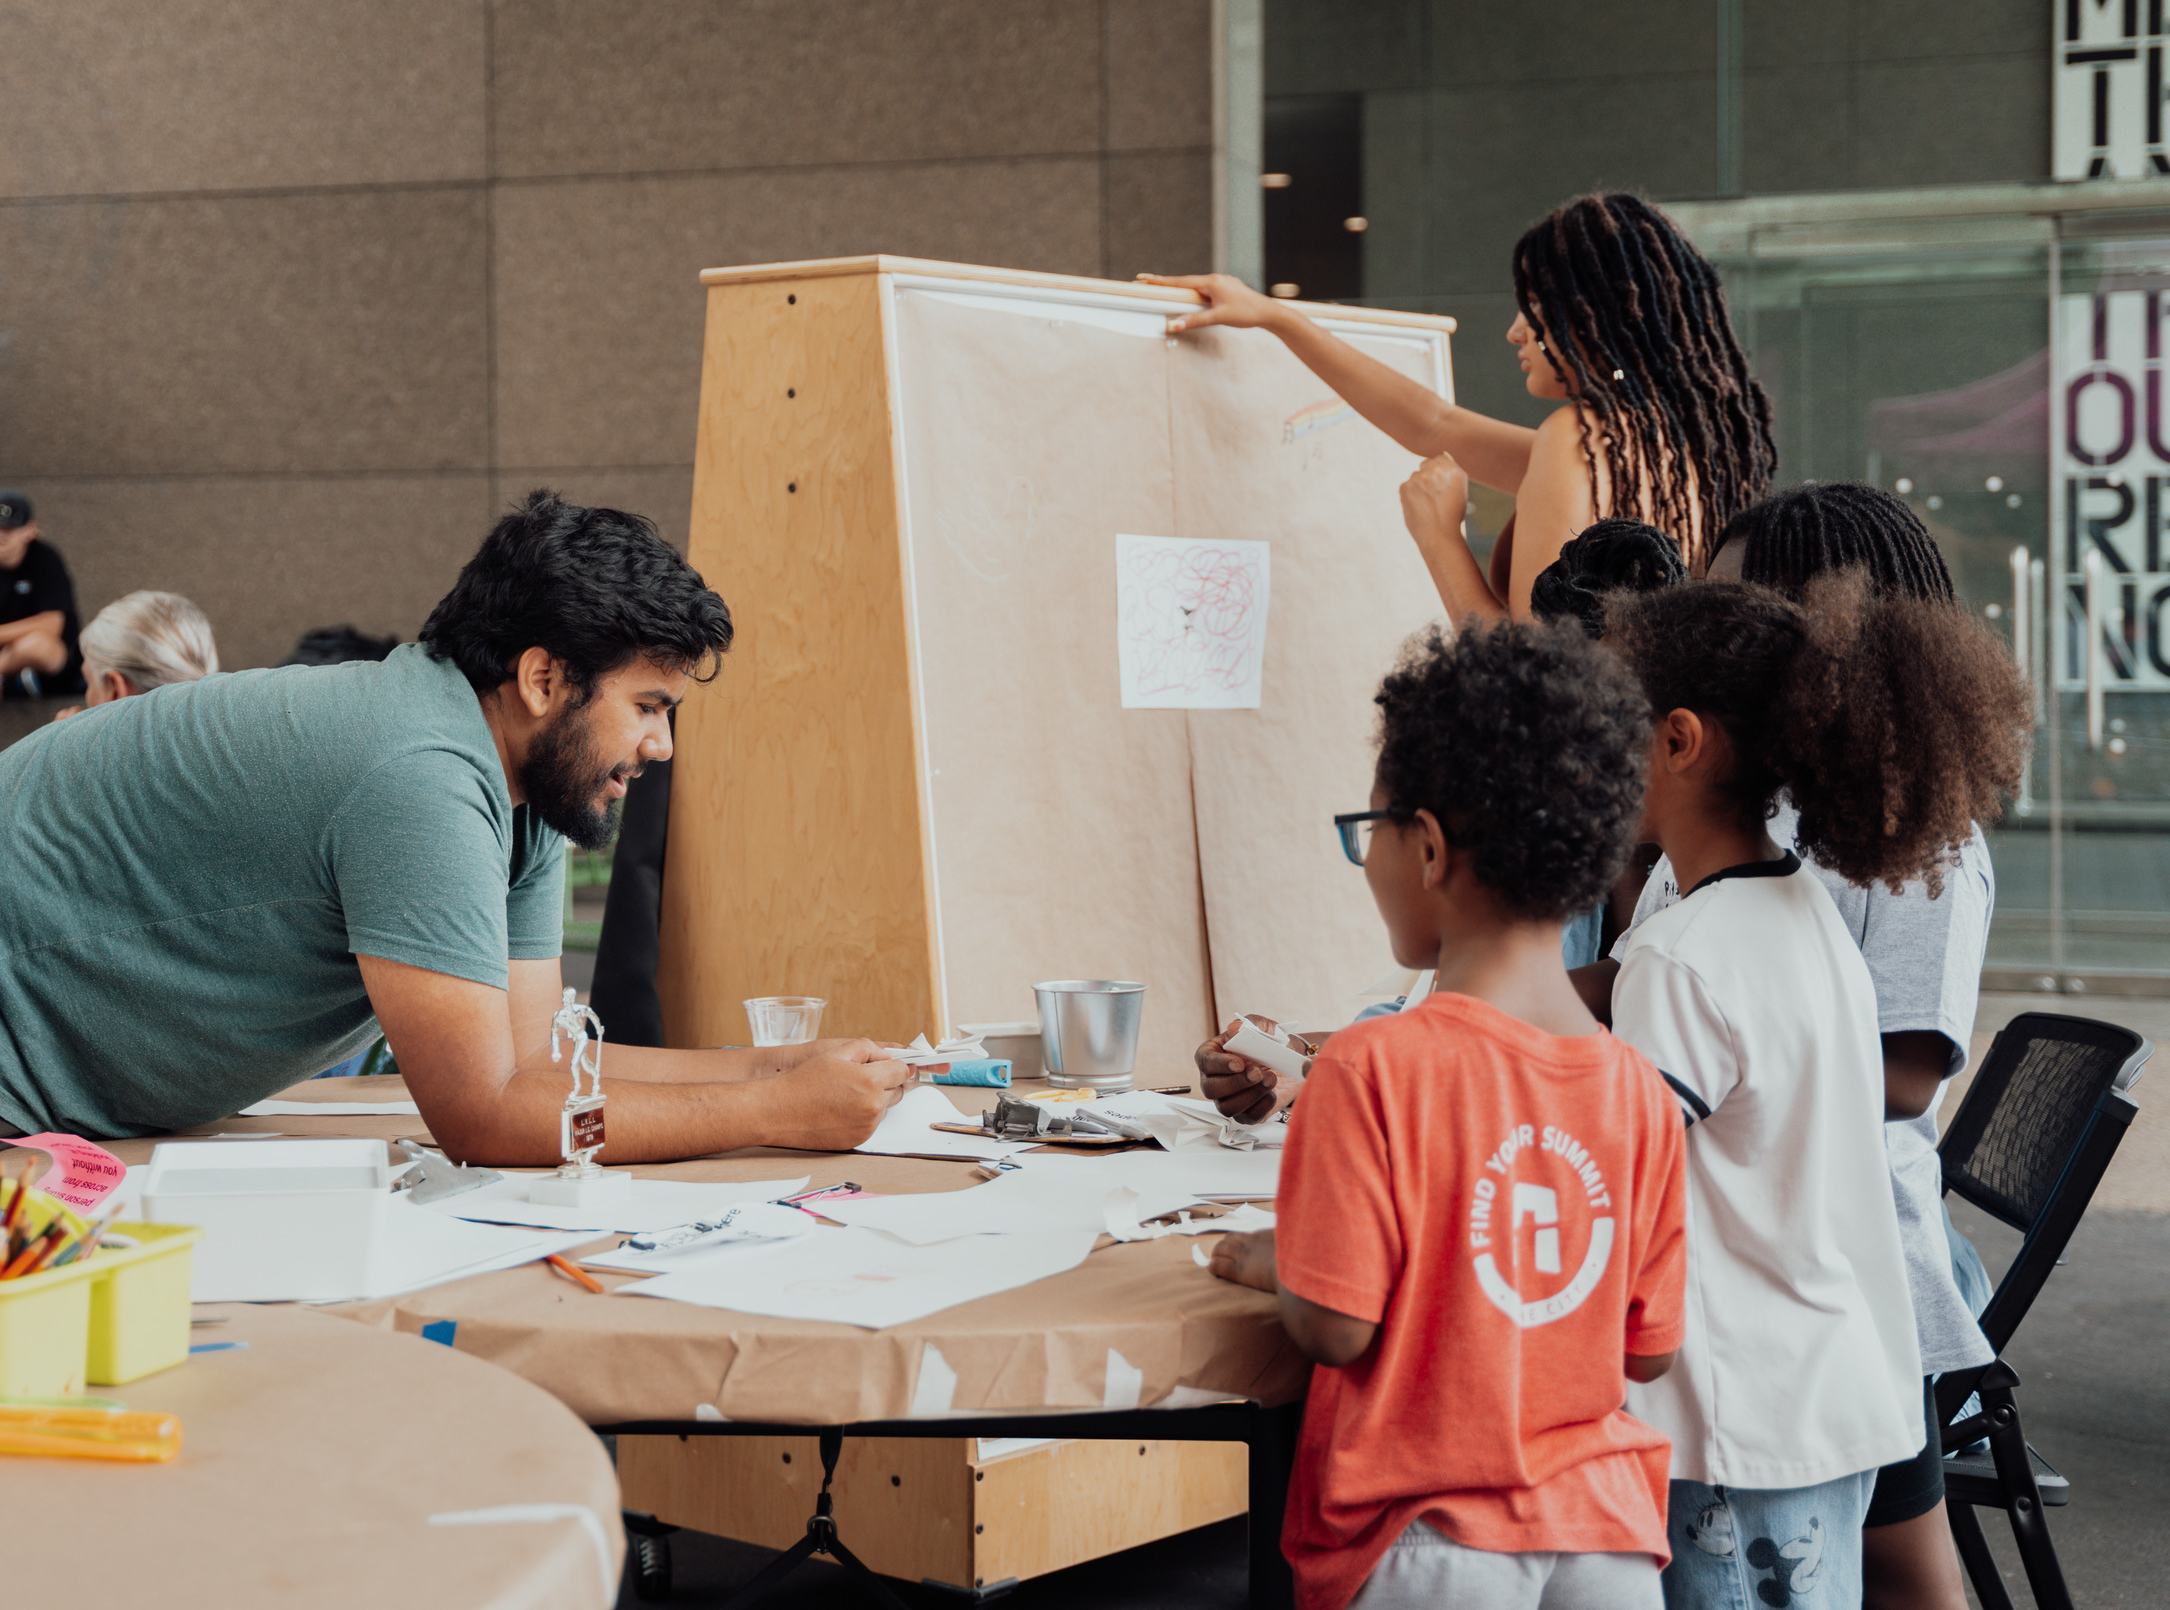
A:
(574, 1272)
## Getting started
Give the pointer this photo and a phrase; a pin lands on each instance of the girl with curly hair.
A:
(1892, 724)
(1621, 320)
(1925, 954)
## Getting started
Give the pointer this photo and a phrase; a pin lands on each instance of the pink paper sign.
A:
(83, 1175)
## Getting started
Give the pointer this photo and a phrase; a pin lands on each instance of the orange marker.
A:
(574, 1272)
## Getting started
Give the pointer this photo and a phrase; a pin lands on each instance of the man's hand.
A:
(832, 1100)
(1246, 1259)
(1246, 1091)
(1228, 301)
(1433, 501)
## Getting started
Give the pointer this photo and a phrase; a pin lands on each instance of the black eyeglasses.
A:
(1355, 827)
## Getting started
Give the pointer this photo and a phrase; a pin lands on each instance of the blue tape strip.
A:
(441, 1330)
(990, 1071)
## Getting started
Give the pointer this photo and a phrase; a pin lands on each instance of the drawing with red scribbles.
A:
(1190, 622)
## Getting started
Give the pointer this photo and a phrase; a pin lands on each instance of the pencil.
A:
(23, 1261)
(15, 1203)
(574, 1272)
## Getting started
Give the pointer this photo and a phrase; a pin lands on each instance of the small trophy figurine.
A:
(578, 1182)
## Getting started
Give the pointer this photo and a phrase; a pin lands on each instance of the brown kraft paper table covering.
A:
(1046, 1346)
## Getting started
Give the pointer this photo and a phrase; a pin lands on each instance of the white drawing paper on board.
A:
(857, 1277)
(1190, 621)
(906, 1130)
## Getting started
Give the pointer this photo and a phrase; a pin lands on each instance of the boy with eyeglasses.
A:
(1480, 1232)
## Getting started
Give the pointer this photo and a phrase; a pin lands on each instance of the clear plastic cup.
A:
(784, 1019)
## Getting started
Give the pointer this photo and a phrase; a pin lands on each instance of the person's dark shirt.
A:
(36, 585)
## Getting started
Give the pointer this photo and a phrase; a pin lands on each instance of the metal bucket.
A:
(1089, 1031)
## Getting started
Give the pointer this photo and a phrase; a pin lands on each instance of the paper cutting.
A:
(1191, 622)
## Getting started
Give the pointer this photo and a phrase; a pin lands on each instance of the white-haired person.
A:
(144, 641)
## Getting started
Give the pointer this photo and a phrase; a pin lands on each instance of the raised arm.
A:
(1493, 451)
(477, 1061)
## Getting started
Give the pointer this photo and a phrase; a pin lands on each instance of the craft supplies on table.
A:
(111, 1307)
(56, 1432)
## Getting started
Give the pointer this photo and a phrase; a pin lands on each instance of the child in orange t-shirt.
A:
(1480, 1214)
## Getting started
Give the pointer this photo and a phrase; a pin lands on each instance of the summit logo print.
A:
(1542, 1191)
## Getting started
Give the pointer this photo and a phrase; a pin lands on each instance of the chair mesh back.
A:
(2021, 1121)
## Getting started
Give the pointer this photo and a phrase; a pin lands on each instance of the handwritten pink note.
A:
(82, 1175)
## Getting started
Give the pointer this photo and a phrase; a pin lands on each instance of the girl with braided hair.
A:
(1622, 320)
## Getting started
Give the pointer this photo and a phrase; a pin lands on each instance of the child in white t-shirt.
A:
(1800, 1374)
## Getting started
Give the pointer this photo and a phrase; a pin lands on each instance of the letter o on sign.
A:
(2119, 384)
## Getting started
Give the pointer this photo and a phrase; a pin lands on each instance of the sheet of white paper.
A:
(958, 1048)
(419, 1248)
(652, 1204)
(1056, 1194)
(699, 1254)
(856, 1277)
(1252, 1042)
(1213, 1172)
(332, 1109)
(906, 1131)
(1190, 622)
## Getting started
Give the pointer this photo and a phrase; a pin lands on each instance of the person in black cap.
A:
(38, 654)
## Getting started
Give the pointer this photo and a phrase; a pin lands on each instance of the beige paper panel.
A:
(1264, 452)
(1064, 843)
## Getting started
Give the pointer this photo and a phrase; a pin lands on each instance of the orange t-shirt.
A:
(1506, 1206)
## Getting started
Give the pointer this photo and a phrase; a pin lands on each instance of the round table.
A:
(329, 1464)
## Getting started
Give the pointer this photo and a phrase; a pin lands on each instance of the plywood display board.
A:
(915, 789)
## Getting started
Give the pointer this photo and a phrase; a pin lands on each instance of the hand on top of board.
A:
(1239, 1088)
(1228, 301)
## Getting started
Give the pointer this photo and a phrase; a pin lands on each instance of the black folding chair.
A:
(2029, 1145)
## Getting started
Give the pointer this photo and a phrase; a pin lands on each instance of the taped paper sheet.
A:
(651, 1204)
(856, 1277)
(1049, 1195)
(1190, 622)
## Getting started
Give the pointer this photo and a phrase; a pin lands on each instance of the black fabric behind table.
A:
(624, 992)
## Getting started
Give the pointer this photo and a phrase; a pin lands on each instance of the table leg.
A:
(1272, 1443)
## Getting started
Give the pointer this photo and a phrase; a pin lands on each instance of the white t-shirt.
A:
(1800, 1364)
(1925, 957)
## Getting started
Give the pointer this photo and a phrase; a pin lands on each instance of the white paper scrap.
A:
(906, 1130)
(856, 1277)
(331, 1109)
(651, 1204)
(1185, 1123)
(1190, 622)
(1126, 1223)
(958, 1048)
(1273, 1051)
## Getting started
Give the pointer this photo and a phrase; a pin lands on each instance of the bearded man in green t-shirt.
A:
(224, 886)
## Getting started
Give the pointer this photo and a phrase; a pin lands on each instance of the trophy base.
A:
(587, 1190)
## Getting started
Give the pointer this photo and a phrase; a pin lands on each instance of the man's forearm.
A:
(647, 1064)
(645, 1122)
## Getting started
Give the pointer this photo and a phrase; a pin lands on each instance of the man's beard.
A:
(564, 778)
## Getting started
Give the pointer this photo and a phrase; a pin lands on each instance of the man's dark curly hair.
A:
(597, 588)
(1607, 556)
(1894, 723)
(1794, 536)
(1527, 744)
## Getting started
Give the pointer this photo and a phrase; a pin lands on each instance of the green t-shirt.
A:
(186, 878)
